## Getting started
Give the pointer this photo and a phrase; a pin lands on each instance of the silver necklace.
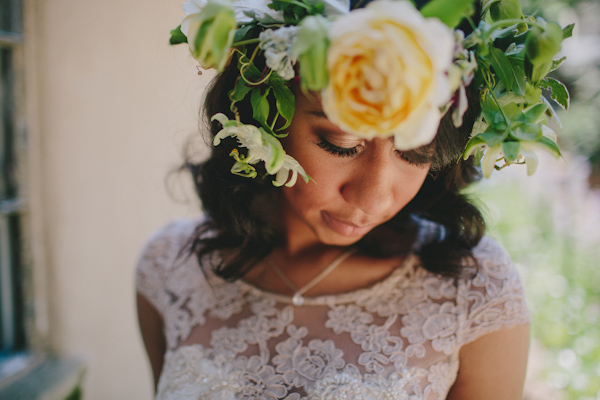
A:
(297, 299)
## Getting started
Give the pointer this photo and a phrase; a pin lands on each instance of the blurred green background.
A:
(550, 224)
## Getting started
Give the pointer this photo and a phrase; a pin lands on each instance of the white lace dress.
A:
(399, 339)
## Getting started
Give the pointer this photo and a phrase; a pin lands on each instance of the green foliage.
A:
(310, 48)
(177, 36)
(504, 9)
(295, 10)
(560, 94)
(514, 55)
(450, 12)
(76, 394)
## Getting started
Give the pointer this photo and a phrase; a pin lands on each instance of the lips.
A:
(346, 228)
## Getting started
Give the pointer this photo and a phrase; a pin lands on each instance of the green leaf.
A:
(284, 100)
(260, 106)
(177, 36)
(560, 94)
(536, 113)
(567, 31)
(450, 12)
(502, 67)
(550, 145)
(505, 9)
(475, 141)
(533, 94)
(490, 110)
(527, 132)
(239, 91)
(514, 113)
(511, 150)
(493, 136)
(557, 63)
(240, 34)
(487, 4)
(518, 73)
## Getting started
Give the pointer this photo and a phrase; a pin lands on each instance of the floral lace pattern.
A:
(398, 339)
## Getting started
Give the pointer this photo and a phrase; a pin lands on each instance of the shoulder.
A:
(159, 256)
(492, 296)
(493, 269)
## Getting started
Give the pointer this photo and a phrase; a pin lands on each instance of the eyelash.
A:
(351, 151)
(337, 150)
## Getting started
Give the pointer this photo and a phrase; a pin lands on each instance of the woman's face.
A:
(358, 184)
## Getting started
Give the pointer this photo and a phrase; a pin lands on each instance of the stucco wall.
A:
(110, 106)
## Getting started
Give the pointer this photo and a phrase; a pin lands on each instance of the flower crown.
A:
(384, 70)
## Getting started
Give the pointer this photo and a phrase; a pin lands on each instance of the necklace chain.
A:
(298, 300)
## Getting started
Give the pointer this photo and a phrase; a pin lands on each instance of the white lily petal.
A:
(460, 107)
(293, 179)
(222, 118)
(489, 160)
(281, 177)
(194, 6)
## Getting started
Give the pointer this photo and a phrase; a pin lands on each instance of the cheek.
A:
(408, 187)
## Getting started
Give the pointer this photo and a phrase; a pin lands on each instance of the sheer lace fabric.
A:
(398, 339)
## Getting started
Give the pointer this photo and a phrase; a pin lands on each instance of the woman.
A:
(372, 279)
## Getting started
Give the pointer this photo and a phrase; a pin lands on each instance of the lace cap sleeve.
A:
(494, 298)
(158, 257)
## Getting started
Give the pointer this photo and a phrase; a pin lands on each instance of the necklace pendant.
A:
(297, 300)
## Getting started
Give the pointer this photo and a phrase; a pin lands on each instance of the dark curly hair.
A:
(239, 225)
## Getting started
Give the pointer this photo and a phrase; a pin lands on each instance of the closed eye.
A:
(337, 150)
(414, 158)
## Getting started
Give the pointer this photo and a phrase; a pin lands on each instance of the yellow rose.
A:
(387, 73)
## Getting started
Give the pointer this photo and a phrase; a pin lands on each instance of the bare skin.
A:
(355, 192)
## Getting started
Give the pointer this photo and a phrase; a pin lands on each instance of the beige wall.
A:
(110, 105)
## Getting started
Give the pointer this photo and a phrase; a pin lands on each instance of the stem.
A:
(491, 89)
(246, 65)
(245, 42)
(508, 22)
(274, 121)
(471, 22)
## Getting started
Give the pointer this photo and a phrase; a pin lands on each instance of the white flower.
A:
(245, 11)
(388, 68)
(261, 147)
(277, 45)
(461, 75)
(527, 152)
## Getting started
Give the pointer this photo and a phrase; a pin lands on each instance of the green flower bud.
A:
(211, 34)
(540, 48)
(310, 49)
(505, 9)
(542, 45)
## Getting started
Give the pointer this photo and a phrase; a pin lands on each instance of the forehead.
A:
(310, 109)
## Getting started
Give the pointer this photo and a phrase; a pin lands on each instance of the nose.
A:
(369, 186)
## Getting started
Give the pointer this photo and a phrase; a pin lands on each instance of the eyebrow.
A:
(317, 113)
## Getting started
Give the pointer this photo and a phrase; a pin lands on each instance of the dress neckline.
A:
(332, 299)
